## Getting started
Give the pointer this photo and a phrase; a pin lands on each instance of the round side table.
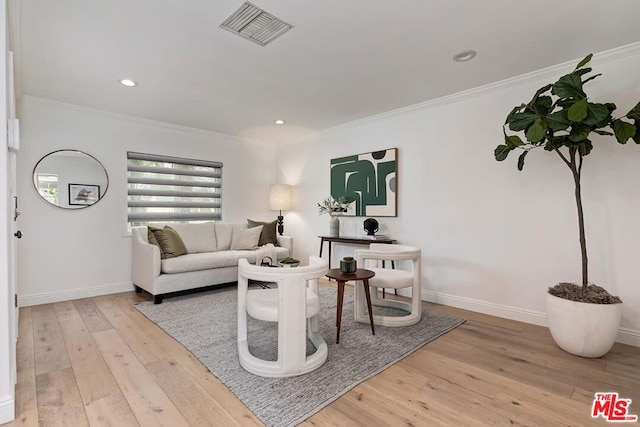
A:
(360, 275)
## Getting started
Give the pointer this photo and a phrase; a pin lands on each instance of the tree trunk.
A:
(583, 241)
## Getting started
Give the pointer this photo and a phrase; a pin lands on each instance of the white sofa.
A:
(209, 261)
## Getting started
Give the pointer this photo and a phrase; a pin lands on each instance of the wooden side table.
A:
(342, 278)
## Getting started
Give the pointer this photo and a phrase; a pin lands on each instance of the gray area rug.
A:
(205, 323)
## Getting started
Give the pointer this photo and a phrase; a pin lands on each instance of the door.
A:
(13, 136)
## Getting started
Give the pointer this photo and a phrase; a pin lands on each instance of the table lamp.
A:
(280, 200)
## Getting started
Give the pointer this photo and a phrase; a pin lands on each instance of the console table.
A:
(350, 241)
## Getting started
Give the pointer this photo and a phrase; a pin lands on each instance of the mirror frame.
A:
(72, 207)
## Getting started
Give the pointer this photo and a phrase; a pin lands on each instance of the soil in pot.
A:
(593, 294)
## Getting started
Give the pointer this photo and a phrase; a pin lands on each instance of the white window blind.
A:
(172, 189)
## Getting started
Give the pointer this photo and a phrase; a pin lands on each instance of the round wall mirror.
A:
(70, 179)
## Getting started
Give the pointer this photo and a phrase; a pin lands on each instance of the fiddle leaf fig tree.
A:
(561, 119)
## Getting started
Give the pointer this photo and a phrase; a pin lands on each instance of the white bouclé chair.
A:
(390, 278)
(294, 305)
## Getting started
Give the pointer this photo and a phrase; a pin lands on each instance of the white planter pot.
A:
(334, 227)
(583, 329)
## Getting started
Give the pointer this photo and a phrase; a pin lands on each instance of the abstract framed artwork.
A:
(369, 180)
(83, 194)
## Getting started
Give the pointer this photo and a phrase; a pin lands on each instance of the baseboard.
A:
(7, 409)
(625, 335)
(71, 294)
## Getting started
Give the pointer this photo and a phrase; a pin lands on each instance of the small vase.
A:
(334, 227)
(348, 265)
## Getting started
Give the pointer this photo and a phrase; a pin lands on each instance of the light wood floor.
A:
(98, 361)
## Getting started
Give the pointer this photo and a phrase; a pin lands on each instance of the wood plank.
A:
(111, 411)
(26, 410)
(145, 349)
(147, 400)
(198, 407)
(94, 379)
(59, 402)
(187, 361)
(91, 315)
(50, 351)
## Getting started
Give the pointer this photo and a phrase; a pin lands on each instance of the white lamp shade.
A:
(279, 197)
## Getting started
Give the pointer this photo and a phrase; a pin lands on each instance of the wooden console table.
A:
(349, 241)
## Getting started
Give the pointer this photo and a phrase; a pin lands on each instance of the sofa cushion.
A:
(210, 260)
(198, 237)
(268, 234)
(170, 242)
(224, 233)
(246, 239)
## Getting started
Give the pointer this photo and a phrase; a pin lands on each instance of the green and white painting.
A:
(369, 180)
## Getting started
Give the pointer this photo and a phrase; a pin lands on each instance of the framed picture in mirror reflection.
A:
(83, 194)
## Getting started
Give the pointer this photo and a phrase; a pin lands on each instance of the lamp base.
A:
(280, 224)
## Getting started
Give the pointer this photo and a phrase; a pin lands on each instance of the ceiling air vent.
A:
(255, 24)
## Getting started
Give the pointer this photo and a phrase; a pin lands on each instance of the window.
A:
(172, 189)
(47, 185)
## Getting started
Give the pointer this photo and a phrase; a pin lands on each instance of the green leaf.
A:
(602, 132)
(636, 137)
(578, 111)
(579, 133)
(513, 111)
(521, 121)
(555, 142)
(501, 152)
(634, 114)
(536, 132)
(623, 131)
(596, 113)
(542, 105)
(521, 159)
(583, 71)
(558, 120)
(610, 106)
(542, 90)
(591, 78)
(513, 141)
(569, 86)
(584, 148)
(585, 61)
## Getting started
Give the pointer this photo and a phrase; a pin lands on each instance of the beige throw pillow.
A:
(170, 242)
(268, 234)
(246, 239)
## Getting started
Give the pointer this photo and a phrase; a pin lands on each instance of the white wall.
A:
(67, 254)
(493, 238)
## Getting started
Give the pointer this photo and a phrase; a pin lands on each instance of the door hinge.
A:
(16, 300)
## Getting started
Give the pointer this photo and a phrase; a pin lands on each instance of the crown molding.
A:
(138, 120)
(554, 71)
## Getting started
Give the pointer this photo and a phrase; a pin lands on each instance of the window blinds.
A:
(163, 188)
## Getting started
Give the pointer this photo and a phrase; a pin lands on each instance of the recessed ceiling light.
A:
(279, 122)
(467, 55)
(128, 83)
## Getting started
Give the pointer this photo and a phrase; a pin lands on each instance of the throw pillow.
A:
(152, 238)
(246, 239)
(268, 234)
(170, 242)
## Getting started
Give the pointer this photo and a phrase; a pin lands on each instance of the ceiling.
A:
(342, 61)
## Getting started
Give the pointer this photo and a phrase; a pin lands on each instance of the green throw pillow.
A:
(268, 234)
(170, 242)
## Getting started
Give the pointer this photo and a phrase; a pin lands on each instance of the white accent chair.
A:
(294, 305)
(390, 278)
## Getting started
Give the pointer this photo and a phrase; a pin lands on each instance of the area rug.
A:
(205, 323)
